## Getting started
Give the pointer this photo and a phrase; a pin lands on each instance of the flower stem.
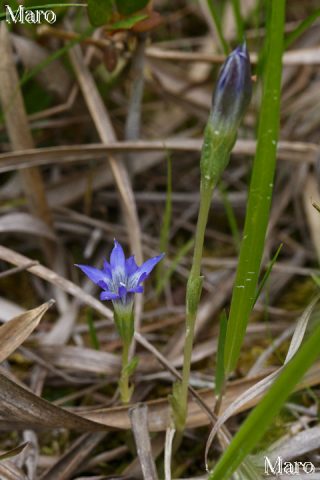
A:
(194, 287)
(125, 391)
(123, 317)
(230, 101)
(214, 159)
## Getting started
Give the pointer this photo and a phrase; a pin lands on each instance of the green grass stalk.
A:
(169, 271)
(194, 287)
(301, 28)
(267, 274)
(261, 188)
(238, 19)
(256, 424)
(231, 217)
(165, 227)
(231, 99)
(217, 23)
(125, 391)
(92, 330)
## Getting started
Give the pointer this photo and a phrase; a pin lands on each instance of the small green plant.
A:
(120, 280)
(230, 101)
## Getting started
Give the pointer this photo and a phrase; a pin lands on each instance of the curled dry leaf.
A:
(17, 330)
(159, 413)
(14, 451)
(21, 409)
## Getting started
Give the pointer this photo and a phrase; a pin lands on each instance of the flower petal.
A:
(108, 296)
(138, 289)
(107, 269)
(122, 292)
(97, 276)
(143, 272)
(131, 266)
(117, 259)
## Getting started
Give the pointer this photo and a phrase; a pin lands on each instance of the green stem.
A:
(219, 137)
(206, 192)
(193, 293)
(216, 20)
(125, 391)
(123, 317)
(260, 190)
(238, 19)
(214, 159)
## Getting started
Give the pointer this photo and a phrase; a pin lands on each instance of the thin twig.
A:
(14, 270)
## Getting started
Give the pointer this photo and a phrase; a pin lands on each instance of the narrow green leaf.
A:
(316, 206)
(267, 274)
(14, 451)
(100, 11)
(217, 22)
(54, 56)
(256, 424)
(302, 27)
(165, 227)
(220, 373)
(132, 365)
(232, 220)
(316, 280)
(127, 23)
(127, 7)
(238, 19)
(175, 262)
(92, 330)
(261, 188)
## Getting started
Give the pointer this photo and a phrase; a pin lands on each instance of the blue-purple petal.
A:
(121, 278)
(122, 291)
(142, 277)
(97, 276)
(117, 258)
(108, 296)
(131, 266)
(107, 269)
(144, 271)
(138, 289)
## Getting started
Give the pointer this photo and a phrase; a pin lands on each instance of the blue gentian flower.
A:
(121, 278)
(233, 91)
(229, 103)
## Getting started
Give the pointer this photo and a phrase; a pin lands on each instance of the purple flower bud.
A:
(233, 91)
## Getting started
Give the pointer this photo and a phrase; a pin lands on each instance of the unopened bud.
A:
(233, 91)
(230, 101)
